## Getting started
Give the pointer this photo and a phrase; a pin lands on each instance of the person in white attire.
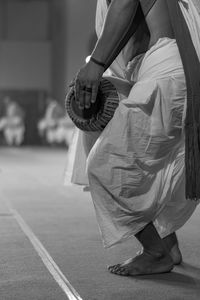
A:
(55, 126)
(136, 166)
(12, 124)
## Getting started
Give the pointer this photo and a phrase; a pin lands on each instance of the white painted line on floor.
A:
(48, 261)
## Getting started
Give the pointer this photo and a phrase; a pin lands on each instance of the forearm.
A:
(117, 25)
(117, 22)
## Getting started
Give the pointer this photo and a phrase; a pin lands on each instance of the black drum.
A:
(100, 113)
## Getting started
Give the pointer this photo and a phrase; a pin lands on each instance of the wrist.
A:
(98, 62)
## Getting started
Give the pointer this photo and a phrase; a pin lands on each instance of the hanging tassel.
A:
(191, 67)
(192, 151)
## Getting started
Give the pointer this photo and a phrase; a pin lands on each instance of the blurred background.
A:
(43, 43)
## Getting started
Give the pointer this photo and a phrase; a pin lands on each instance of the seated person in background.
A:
(12, 124)
(55, 127)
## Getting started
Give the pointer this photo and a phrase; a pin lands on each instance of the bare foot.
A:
(171, 243)
(144, 264)
(176, 255)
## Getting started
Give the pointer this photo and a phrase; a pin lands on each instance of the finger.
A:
(81, 101)
(94, 92)
(88, 94)
(79, 92)
(87, 99)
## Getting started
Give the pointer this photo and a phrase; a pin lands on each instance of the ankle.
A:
(156, 253)
(151, 242)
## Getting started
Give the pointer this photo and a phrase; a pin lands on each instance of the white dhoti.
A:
(136, 167)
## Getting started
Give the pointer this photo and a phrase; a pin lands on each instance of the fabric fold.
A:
(136, 167)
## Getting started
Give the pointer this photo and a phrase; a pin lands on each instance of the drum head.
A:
(100, 113)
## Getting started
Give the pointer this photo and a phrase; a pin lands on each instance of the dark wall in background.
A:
(80, 29)
(43, 43)
(58, 33)
(25, 48)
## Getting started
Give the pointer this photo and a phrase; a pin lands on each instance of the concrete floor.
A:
(63, 220)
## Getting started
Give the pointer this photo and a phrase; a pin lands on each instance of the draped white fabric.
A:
(76, 163)
(136, 166)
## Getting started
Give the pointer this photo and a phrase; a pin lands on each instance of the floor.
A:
(50, 247)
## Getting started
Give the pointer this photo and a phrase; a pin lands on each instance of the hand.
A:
(87, 83)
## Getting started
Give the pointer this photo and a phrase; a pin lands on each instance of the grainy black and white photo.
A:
(99, 149)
